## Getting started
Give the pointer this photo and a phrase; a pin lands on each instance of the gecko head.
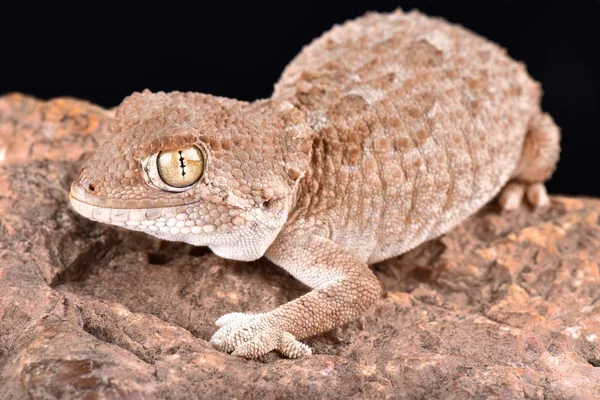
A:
(198, 169)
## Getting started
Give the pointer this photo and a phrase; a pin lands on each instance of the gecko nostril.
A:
(267, 204)
(91, 187)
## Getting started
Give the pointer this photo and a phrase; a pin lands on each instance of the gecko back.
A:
(420, 123)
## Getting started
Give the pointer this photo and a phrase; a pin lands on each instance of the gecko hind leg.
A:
(537, 163)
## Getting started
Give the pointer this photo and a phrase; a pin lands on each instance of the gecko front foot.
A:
(253, 335)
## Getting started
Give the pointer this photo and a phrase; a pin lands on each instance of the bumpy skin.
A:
(383, 133)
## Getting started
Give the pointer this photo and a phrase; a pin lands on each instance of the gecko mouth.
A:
(116, 216)
(171, 223)
(167, 220)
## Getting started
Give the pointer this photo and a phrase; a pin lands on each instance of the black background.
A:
(103, 53)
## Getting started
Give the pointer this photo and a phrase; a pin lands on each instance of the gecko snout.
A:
(85, 199)
(84, 189)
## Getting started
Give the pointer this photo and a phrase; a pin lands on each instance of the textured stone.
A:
(505, 306)
(61, 129)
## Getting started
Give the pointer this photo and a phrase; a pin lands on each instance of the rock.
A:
(59, 129)
(505, 306)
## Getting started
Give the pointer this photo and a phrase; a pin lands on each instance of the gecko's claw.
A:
(253, 335)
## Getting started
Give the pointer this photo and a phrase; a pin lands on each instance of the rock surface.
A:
(505, 306)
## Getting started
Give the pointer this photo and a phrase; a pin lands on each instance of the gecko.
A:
(383, 133)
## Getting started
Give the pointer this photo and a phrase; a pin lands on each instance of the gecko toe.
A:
(511, 196)
(515, 192)
(251, 336)
(259, 345)
(537, 195)
(292, 348)
(235, 330)
(224, 319)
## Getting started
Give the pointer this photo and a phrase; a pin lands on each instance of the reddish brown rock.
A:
(59, 129)
(505, 306)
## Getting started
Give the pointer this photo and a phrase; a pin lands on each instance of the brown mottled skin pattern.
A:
(383, 133)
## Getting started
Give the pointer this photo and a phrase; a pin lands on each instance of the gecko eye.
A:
(175, 170)
(180, 168)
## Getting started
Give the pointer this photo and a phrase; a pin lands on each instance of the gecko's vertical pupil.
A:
(180, 168)
(182, 163)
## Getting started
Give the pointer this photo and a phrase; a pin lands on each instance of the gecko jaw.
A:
(161, 222)
(176, 224)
